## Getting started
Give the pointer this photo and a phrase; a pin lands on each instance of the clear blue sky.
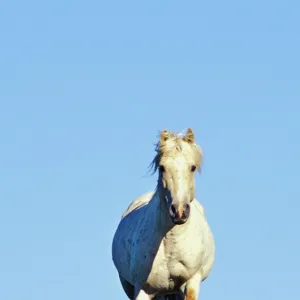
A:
(85, 87)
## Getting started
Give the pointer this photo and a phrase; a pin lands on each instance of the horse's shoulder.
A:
(138, 202)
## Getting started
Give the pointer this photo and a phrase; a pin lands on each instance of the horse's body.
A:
(155, 257)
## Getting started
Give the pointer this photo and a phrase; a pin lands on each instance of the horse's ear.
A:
(164, 136)
(189, 136)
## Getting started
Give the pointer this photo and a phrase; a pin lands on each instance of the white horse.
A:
(163, 247)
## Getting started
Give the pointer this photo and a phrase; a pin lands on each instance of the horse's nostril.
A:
(187, 210)
(173, 209)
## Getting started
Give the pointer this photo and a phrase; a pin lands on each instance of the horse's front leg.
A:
(192, 288)
(141, 295)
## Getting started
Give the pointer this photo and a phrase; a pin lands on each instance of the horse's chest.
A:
(175, 263)
(183, 258)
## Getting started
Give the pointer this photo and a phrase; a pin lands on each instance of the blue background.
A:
(85, 88)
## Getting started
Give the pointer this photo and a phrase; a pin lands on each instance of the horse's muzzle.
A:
(179, 214)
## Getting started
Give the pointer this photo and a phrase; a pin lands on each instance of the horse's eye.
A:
(162, 168)
(193, 168)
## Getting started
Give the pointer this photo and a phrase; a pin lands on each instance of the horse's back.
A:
(139, 202)
(124, 237)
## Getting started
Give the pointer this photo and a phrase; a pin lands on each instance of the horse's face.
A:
(179, 160)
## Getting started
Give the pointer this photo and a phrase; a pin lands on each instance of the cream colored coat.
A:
(155, 257)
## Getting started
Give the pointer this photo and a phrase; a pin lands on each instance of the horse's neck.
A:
(158, 211)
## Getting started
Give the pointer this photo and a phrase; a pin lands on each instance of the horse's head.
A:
(177, 159)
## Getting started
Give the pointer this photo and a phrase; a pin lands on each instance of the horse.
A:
(163, 247)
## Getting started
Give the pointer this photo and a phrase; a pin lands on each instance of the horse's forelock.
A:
(175, 143)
